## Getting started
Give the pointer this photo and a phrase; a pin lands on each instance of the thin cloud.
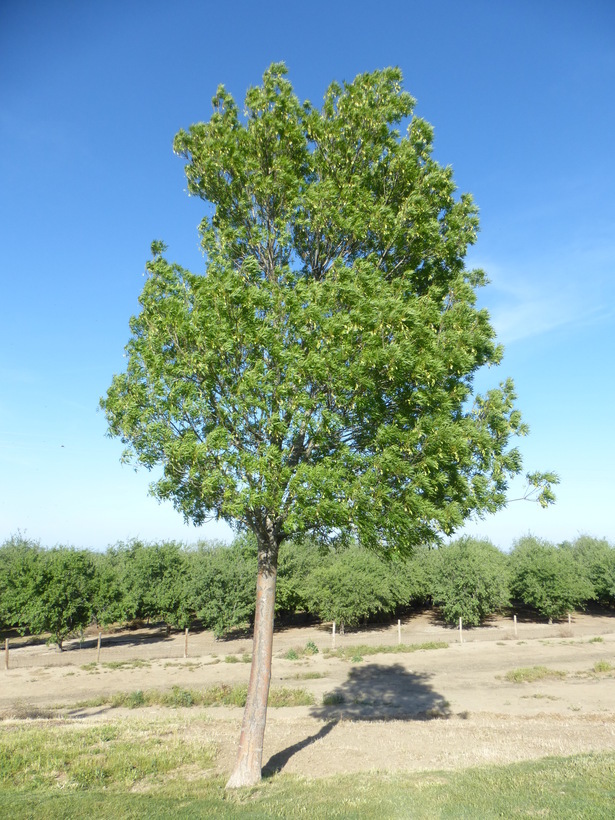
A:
(535, 302)
(541, 314)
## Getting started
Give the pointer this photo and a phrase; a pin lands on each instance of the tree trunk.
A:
(247, 771)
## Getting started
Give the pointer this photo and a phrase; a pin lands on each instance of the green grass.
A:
(308, 675)
(603, 666)
(290, 697)
(357, 653)
(245, 658)
(531, 674)
(220, 695)
(135, 769)
(333, 699)
(109, 755)
(189, 665)
(297, 652)
(136, 663)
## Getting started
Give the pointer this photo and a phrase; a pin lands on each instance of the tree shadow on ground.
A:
(371, 692)
(277, 761)
(144, 637)
(382, 692)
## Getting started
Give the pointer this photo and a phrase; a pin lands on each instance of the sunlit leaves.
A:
(318, 376)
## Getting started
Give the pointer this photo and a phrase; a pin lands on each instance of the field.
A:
(437, 705)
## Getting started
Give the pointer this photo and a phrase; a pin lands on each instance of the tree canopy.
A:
(469, 580)
(317, 376)
(548, 578)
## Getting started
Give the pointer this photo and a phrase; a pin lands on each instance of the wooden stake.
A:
(515, 622)
(333, 636)
(398, 631)
(6, 653)
(186, 644)
(460, 631)
(569, 620)
(98, 648)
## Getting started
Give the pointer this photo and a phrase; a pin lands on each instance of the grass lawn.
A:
(145, 769)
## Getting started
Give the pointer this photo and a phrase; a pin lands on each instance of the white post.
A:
(460, 631)
(6, 653)
(333, 636)
(186, 644)
(515, 622)
(569, 620)
(398, 631)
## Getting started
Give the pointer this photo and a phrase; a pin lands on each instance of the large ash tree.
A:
(317, 376)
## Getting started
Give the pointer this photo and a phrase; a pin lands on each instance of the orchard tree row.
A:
(62, 590)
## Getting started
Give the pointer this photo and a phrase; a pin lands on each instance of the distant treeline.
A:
(62, 590)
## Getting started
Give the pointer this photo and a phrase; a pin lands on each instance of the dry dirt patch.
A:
(440, 708)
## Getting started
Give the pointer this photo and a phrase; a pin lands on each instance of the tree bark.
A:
(247, 771)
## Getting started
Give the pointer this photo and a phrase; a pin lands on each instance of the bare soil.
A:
(429, 709)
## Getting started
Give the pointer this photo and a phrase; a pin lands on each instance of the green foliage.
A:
(409, 577)
(317, 376)
(156, 582)
(547, 578)
(112, 603)
(221, 585)
(297, 559)
(350, 586)
(60, 592)
(19, 559)
(596, 559)
(469, 580)
(136, 580)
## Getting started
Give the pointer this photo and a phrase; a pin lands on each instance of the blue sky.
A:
(91, 94)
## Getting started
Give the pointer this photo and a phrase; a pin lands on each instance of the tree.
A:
(410, 578)
(547, 578)
(221, 585)
(154, 580)
(61, 593)
(317, 377)
(350, 587)
(596, 559)
(110, 603)
(469, 580)
(297, 560)
(19, 559)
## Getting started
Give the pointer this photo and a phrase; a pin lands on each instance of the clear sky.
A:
(520, 94)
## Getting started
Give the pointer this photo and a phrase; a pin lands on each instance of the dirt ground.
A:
(429, 709)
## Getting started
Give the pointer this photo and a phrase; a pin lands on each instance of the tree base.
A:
(243, 777)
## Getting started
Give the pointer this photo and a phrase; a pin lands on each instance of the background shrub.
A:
(548, 578)
(469, 580)
(596, 561)
(221, 584)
